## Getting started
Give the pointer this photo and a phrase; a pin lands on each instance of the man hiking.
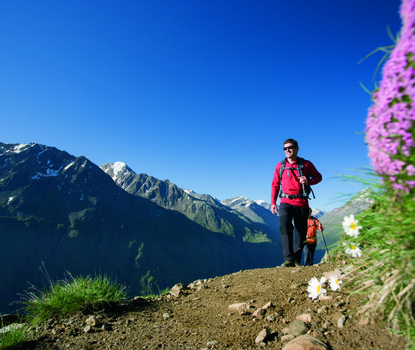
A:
(313, 224)
(292, 179)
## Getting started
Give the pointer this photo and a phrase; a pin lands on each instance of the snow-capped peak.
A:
(118, 166)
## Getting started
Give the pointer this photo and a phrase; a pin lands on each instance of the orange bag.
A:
(311, 231)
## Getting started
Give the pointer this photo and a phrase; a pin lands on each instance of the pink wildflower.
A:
(390, 124)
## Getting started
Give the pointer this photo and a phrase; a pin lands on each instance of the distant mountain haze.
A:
(145, 233)
(332, 220)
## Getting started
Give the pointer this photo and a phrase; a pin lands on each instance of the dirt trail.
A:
(200, 317)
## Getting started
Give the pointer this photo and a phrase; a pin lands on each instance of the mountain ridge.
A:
(67, 213)
(204, 209)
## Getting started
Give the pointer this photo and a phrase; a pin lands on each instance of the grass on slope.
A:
(62, 298)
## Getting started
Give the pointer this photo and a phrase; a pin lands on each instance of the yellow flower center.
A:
(353, 226)
(318, 289)
(353, 246)
(336, 281)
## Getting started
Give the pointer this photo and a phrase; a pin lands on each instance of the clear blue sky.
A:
(200, 92)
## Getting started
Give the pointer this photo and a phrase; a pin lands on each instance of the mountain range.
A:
(67, 214)
(205, 210)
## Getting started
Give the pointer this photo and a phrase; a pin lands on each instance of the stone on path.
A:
(267, 305)
(306, 342)
(262, 336)
(178, 288)
(298, 327)
(92, 321)
(306, 318)
(259, 312)
(239, 307)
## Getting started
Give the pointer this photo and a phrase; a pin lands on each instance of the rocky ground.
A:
(262, 308)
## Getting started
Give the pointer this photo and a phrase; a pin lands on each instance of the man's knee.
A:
(285, 227)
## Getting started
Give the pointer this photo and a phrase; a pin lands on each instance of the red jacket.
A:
(291, 183)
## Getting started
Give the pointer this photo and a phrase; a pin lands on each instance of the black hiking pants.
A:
(309, 250)
(289, 213)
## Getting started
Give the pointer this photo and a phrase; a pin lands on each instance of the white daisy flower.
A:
(350, 226)
(334, 282)
(315, 287)
(353, 249)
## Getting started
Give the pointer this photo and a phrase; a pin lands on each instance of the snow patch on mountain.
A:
(363, 198)
(21, 147)
(49, 173)
(192, 193)
(317, 212)
(237, 201)
(118, 166)
(68, 166)
(118, 171)
(262, 203)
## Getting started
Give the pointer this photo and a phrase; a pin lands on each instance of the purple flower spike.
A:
(390, 124)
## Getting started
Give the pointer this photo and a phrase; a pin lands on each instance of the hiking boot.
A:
(297, 264)
(288, 264)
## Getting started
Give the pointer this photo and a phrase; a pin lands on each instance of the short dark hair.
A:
(292, 141)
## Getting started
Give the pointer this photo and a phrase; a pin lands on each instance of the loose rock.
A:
(178, 288)
(298, 327)
(262, 336)
(259, 312)
(166, 316)
(306, 342)
(239, 307)
(92, 321)
(306, 318)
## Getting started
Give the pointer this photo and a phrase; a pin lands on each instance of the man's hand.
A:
(303, 180)
(274, 209)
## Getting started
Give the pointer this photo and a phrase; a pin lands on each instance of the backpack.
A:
(311, 231)
(306, 189)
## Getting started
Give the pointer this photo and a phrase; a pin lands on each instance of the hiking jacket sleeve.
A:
(314, 177)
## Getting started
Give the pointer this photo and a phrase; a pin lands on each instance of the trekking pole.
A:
(328, 255)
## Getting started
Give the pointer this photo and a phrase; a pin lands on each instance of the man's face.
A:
(290, 150)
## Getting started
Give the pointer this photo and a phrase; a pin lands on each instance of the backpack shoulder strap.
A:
(300, 165)
(282, 167)
(306, 191)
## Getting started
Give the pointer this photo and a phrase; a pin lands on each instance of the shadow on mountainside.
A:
(198, 316)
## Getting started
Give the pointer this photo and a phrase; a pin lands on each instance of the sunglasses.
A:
(289, 147)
